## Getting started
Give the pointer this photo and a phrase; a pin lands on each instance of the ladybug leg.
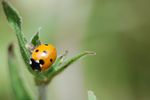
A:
(30, 47)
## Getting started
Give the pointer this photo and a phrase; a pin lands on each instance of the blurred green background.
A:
(118, 31)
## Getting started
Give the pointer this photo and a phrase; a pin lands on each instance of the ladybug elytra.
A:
(43, 57)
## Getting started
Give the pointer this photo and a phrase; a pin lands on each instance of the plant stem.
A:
(42, 89)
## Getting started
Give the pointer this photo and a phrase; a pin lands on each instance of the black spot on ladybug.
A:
(51, 60)
(37, 50)
(41, 61)
(45, 51)
(35, 65)
(46, 44)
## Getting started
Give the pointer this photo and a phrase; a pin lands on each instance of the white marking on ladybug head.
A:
(43, 54)
(37, 61)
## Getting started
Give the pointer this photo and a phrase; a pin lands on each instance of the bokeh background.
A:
(118, 31)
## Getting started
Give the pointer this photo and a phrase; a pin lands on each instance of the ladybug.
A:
(43, 56)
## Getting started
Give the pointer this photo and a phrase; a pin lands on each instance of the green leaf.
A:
(91, 95)
(14, 20)
(12, 15)
(58, 69)
(34, 42)
(35, 39)
(17, 84)
(58, 61)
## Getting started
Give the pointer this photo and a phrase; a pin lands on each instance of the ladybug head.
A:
(35, 64)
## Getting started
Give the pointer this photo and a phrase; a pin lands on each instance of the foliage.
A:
(91, 95)
(44, 77)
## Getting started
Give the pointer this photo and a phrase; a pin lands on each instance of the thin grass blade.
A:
(17, 84)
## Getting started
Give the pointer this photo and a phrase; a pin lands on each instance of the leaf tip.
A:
(11, 49)
(91, 95)
(12, 14)
(39, 29)
(4, 2)
(90, 52)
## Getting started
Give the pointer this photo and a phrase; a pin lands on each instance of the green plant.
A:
(42, 79)
(91, 95)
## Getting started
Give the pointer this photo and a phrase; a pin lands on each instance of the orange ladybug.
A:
(43, 57)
